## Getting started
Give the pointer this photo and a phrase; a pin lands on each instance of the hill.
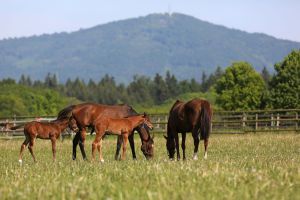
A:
(146, 45)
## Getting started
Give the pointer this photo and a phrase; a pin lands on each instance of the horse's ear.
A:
(145, 114)
(165, 137)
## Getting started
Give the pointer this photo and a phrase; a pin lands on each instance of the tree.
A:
(266, 76)
(139, 90)
(160, 89)
(212, 79)
(285, 84)
(172, 85)
(51, 81)
(25, 80)
(240, 88)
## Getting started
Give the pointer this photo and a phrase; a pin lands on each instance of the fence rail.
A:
(222, 122)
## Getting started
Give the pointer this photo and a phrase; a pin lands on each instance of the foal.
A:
(122, 127)
(45, 130)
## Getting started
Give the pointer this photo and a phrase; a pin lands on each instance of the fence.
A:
(222, 122)
(247, 121)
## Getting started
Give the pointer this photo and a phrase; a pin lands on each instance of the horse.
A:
(45, 130)
(86, 114)
(6, 125)
(193, 116)
(123, 127)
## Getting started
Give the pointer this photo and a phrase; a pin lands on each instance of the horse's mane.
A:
(65, 113)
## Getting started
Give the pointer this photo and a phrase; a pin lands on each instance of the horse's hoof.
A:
(20, 161)
(102, 160)
(195, 157)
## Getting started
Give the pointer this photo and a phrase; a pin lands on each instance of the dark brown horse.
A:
(86, 114)
(44, 130)
(123, 127)
(193, 116)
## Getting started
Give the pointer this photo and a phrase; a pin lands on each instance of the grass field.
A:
(252, 166)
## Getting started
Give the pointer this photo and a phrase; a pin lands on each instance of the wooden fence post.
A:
(272, 122)
(277, 121)
(244, 118)
(256, 121)
(296, 121)
(166, 125)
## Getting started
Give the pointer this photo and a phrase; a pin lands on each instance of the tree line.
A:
(142, 90)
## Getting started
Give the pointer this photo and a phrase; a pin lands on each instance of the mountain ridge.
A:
(146, 45)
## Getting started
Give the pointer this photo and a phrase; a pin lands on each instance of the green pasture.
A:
(250, 166)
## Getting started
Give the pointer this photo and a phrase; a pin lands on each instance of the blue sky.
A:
(279, 18)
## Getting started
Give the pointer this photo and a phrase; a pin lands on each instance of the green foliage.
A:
(22, 100)
(285, 91)
(240, 88)
(246, 166)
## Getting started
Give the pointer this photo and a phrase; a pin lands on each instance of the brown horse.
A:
(44, 130)
(122, 127)
(86, 114)
(193, 116)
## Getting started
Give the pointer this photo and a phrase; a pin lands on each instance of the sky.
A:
(18, 18)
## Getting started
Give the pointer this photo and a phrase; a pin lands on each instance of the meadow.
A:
(248, 166)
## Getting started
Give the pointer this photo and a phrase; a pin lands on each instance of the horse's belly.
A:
(114, 132)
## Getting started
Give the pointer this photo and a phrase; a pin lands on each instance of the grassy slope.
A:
(250, 166)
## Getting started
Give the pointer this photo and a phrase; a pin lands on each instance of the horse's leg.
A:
(99, 134)
(183, 145)
(177, 146)
(25, 143)
(30, 147)
(205, 148)
(119, 144)
(81, 143)
(75, 143)
(125, 140)
(99, 147)
(131, 142)
(53, 141)
(196, 143)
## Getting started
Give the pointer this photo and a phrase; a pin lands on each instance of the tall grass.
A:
(252, 166)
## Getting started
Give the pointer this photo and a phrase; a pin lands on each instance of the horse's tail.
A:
(16, 127)
(66, 112)
(205, 120)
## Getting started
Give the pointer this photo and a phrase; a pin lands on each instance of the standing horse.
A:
(44, 130)
(193, 116)
(123, 127)
(86, 114)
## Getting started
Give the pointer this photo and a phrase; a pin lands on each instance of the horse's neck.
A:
(62, 125)
(136, 121)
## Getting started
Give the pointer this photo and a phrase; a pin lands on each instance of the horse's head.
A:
(170, 144)
(73, 125)
(147, 122)
(148, 148)
(147, 141)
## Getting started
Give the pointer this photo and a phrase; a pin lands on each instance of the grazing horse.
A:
(193, 116)
(86, 114)
(123, 127)
(44, 130)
